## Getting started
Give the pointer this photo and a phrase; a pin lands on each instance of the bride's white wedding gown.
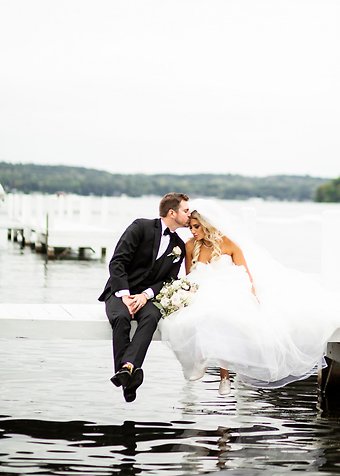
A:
(268, 344)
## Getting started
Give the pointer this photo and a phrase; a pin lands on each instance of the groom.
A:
(146, 255)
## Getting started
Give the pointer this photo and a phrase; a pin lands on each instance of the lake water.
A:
(60, 414)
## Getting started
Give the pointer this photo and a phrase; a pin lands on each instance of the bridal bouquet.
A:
(175, 295)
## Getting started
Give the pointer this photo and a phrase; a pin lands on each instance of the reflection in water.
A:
(282, 431)
(125, 444)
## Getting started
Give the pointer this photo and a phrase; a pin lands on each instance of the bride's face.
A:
(196, 229)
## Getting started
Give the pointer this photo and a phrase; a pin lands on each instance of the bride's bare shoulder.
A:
(189, 245)
(227, 245)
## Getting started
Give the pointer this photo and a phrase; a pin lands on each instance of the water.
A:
(60, 414)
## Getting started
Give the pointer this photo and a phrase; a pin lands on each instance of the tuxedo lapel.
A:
(157, 240)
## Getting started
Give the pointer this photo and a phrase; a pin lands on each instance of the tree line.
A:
(29, 178)
(329, 191)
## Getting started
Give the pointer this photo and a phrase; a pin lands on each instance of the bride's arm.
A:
(238, 258)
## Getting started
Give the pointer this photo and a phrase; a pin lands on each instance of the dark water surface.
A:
(60, 414)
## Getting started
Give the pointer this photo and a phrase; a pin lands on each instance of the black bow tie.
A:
(172, 234)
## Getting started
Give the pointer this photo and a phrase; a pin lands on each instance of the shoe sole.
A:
(130, 396)
(122, 378)
(136, 379)
(130, 389)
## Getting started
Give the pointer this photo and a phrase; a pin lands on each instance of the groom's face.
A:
(182, 216)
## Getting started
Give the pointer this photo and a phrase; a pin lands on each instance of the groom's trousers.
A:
(124, 349)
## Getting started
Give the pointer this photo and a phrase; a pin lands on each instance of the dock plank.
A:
(68, 321)
(56, 321)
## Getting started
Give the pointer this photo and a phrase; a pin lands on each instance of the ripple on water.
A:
(61, 415)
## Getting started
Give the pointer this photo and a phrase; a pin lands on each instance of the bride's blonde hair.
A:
(210, 234)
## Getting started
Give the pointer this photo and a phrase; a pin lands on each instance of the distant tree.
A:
(328, 192)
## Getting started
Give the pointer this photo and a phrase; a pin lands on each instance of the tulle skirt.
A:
(269, 342)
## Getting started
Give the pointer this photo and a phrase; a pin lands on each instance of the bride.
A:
(268, 323)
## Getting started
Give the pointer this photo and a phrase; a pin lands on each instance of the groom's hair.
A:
(171, 201)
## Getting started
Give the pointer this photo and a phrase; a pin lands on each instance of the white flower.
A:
(176, 285)
(165, 302)
(175, 295)
(176, 253)
(176, 300)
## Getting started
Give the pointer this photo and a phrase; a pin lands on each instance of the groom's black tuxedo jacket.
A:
(134, 266)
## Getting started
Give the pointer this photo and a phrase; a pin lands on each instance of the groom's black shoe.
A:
(135, 381)
(122, 377)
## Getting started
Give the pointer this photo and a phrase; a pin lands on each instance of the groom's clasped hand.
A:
(135, 303)
(148, 254)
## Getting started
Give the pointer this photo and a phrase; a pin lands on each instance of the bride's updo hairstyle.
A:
(211, 234)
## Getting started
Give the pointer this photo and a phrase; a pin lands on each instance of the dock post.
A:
(329, 379)
(50, 252)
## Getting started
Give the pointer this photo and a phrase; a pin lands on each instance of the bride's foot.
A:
(224, 387)
(197, 375)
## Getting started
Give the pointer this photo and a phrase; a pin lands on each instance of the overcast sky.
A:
(179, 86)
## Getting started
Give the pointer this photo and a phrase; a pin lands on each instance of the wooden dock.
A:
(62, 226)
(56, 321)
(61, 240)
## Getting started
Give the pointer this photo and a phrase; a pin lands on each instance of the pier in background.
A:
(62, 225)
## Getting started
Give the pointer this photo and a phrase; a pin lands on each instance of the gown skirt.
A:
(269, 342)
